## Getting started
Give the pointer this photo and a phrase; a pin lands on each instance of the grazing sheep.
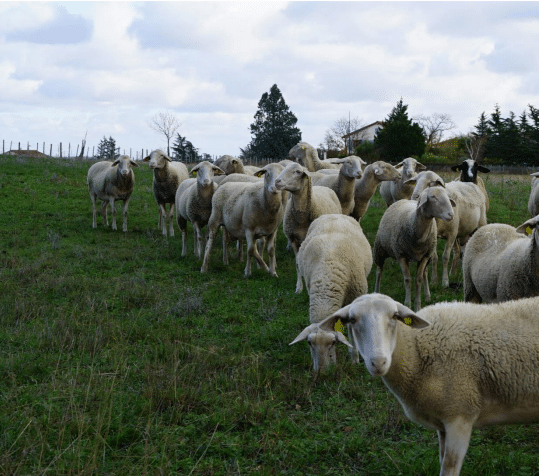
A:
(365, 187)
(167, 176)
(470, 214)
(193, 203)
(309, 157)
(468, 173)
(393, 191)
(502, 263)
(533, 202)
(248, 211)
(407, 232)
(334, 260)
(111, 181)
(452, 366)
(343, 183)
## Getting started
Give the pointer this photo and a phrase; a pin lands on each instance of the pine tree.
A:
(184, 151)
(400, 137)
(274, 131)
(482, 129)
(106, 150)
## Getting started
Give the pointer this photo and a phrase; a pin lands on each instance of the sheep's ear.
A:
(194, 169)
(452, 202)
(456, 168)
(420, 166)
(304, 334)
(133, 163)
(260, 172)
(411, 181)
(146, 159)
(399, 165)
(328, 324)
(531, 223)
(437, 183)
(483, 169)
(336, 161)
(535, 174)
(409, 317)
(218, 170)
(116, 162)
(343, 340)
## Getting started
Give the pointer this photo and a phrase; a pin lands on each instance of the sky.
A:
(104, 69)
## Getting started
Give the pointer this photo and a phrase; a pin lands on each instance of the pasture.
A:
(119, 357)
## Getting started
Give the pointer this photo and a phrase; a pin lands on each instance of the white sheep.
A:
(468, 169)
(393, 191)
(193, 203)
(306, 203)
(334, 260)
(111, 181)
(232, 165)
(309, 157)
(452, 366)
(248, 211)
(343, 183)
(502, 263)
(167, 176)
(407, 232)
(365, 187)
(533, 202)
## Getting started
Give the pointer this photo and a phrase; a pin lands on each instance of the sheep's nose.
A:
(378, 364)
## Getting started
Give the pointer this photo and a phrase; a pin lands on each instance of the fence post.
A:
(3, 146)
(43, 147)
(69, 150)
(19, 146)
(60, 150)
(27, 146)
(51, 151)
(77, 154)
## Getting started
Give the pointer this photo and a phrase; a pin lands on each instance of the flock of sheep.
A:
(452, 366)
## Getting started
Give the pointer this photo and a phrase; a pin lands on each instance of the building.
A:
(366, 133)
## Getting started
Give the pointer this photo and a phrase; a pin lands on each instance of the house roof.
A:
(379, 123)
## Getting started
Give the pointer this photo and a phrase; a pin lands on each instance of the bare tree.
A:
(333, 140)
(476, 146)
(81, 156)
(165, 123)
(434, 126)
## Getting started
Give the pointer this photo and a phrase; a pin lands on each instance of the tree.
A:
(434, 127)
(333, 139)
(165, 123)
(400, 137)
(106, 150)
(274, 131)
(184, 151)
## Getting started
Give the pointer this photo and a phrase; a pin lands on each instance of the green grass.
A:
(119, 357)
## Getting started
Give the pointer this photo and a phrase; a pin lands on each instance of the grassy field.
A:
(119, 357)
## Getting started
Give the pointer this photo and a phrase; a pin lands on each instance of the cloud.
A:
(57, 26)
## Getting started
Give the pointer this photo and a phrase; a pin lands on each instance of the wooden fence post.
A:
(19, 146)
(51, 151)
(43, 147)
(60, 150)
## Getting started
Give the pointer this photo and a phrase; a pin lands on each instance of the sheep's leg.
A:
(456, 257)
(252, 251)
(93, 197)
(271, 253)
(182, 225)
(163, 218)
(209, 244)
(426, 283)
(104, 205)
(405, 268)
(456, 439)
(379, 271)
(239, 250)
(124, 223)
(113, 212)
(198, 240)
(354, 354)
(171, 220)
(434, 276)
(226, 239)
(420, 275)
(450, 243)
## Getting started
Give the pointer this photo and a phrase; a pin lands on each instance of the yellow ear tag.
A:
(408, 321)
(529, 231)
(339, 326)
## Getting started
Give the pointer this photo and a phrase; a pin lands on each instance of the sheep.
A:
(393, 191)
(334, 260)
(248, 211)
(231, 165)
(306, 203)
(407, 232)
(470, 214)
(167, 176)
(533, 202)
(111, 181)
(309, 157)
(468, 169)
(366, 186)
(343, 183)
(502, 263)
(452, 366)
(193, 202)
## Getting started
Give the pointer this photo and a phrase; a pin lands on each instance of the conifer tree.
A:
(274, 131)
(106, 150)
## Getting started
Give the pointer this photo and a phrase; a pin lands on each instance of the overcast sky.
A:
(107, 68)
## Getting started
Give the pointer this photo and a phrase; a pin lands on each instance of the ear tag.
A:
(408, 321)
(529, 231)
(339, 326)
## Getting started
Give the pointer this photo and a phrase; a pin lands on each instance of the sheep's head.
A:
(351, 166)
(424, 180)
(409, 167)
(468, 170)
(270, 173)
(385, 172)
(291, 178)
(372, 321)
(205, 171)
(157, 159)
(124, 164)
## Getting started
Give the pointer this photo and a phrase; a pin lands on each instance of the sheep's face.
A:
(468, 170)
(352, 167)
(270, 173)
(436, 203)
(124, 164)
(424, 180)
(298, 151)
(291, 178)
(372, 325)
(158, 159)
(385, 172)
(409, 167)
(205, 172)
